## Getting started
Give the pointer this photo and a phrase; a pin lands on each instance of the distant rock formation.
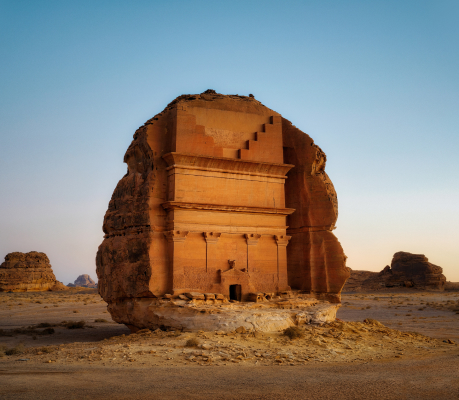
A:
(406, 271)
(355, 282)
(83, 281)
(27, 272)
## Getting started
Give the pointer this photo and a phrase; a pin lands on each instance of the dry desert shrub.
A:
(44, 325)
(75, 311)
(193, 342)
(100, 320)
(45, 350)
(75, 325)
(31, 330)
(293, 332)
(18, 349)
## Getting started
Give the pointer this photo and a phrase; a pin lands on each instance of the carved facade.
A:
(222, 195)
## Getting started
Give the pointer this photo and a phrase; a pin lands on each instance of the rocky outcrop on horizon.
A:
(452, 286)
(406, 271)
(27, 272)
(83, 281)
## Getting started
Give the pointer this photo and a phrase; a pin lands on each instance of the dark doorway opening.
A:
(235, 292)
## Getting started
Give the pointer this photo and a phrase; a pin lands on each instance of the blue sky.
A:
(374, 83)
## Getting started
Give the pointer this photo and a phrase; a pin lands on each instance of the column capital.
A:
(252, 238)
(282, 240)
(211, 237)
(176, 236)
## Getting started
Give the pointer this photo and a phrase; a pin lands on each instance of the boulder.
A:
(27, 272)
(413, 270)
(406, 271)
(195, 296)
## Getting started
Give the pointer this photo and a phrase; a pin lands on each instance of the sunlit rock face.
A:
(222, 195)
(414, 270)
(27, 272)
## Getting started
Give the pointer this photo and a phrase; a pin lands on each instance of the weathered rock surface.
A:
(27, 272)
(406, 271)
(83, 281)
(210, 315)
(206, 207)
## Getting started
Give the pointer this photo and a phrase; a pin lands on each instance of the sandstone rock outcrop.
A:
(83, 281)
(208, 315)
(222, 195)
(358, 281)
(27, 272)
(406, 271)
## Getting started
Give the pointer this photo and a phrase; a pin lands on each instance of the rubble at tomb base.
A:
(83, 281)
(406, 271)
(27, 272)
(213, 312)
(221, 195)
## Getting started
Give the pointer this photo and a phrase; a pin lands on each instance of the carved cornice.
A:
(226, 208)
(228, 165)
(252, 238)
(176, 236)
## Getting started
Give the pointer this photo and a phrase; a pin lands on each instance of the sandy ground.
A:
(410, 354)
(434, 314)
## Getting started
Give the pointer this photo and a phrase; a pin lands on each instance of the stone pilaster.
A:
(176, 253)
(252, 241)
(211, 251)
(282, 277)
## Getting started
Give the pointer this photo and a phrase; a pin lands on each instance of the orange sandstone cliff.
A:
(222, 195)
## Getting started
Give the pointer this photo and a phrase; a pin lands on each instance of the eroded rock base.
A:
(213, 315)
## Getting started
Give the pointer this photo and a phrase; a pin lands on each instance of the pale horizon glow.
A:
(375, 84)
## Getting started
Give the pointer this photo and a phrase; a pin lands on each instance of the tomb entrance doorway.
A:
(235, 292)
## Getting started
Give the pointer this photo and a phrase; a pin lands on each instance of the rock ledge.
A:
(221, 315)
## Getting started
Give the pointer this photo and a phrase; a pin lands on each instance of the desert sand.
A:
(411, 352)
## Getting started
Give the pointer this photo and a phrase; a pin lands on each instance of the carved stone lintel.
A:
(282, 240)
(176, 236)
(211, 237)
(252, 238)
